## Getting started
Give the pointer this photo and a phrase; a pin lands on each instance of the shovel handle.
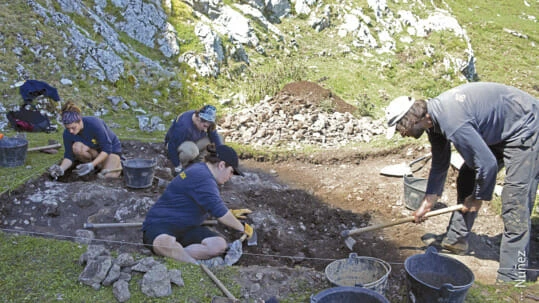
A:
(218, 283)
(132, 224)
(57, 145)
(453, 208)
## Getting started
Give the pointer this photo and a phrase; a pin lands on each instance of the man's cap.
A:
(228, 154)
(395, 111)
(208, 113)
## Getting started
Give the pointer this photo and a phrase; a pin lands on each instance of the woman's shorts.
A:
(184, 236)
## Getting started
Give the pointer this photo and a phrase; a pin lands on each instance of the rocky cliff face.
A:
(94, 33)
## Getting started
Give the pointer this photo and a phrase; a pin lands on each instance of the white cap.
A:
(395, 111)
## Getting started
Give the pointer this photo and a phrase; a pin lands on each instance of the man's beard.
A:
(416, 131)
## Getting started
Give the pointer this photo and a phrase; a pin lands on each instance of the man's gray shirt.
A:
(475, 117)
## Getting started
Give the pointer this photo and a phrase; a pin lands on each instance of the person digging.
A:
(491, 125)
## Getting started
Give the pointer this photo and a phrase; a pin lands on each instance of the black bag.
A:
(29, 120)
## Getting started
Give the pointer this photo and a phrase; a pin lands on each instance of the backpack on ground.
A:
(29, 120)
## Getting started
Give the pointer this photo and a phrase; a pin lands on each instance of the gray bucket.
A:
(13, 151)
(366, 272)
(138, 173)
(435, 278)
(414, 191)
(348, 294)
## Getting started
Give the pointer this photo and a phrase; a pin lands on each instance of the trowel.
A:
(235, 249)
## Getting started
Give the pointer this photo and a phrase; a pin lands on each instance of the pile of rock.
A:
(293, 122)
(103, 270)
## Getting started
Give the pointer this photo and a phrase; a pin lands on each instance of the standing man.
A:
(189, 135)
(491, 125)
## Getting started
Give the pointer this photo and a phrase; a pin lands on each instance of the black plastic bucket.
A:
(366, 272)
(348, 294)
(435, 278)
(414, 191)
(138, 173)
(13, 152)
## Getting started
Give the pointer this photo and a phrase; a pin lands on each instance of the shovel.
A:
(349, 241)
(402, 169)
(50, 149)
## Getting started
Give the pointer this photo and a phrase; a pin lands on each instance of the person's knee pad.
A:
(187, 152)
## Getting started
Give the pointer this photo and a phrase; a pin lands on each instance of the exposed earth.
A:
(300, 205)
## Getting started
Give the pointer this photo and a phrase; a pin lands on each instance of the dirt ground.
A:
(300, 207)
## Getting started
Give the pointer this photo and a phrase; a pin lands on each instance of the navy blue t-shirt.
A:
(183, 129)
(188, 199)
(95, 134)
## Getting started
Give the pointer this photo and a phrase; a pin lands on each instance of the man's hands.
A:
(240, 213)
(471, 205)
(84, 169)
(55, 171)
(424, 208)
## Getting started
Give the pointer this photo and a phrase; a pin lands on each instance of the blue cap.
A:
(208, 113)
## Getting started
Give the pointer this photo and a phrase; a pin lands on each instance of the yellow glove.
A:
(240, 213)
(248, 230)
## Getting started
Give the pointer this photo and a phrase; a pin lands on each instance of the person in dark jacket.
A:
(173, 225)
(90, 141)
(491, 125)
(189, 135)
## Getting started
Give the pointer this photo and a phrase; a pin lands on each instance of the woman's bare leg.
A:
(166, 245)
(113, 161)
(209, 248)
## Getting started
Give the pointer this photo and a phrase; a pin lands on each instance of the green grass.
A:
(36, 269)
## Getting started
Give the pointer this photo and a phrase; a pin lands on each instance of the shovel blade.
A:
(396, 170)
(350, 242)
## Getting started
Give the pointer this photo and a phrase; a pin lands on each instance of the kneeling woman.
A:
(173, 226)
(90, 141)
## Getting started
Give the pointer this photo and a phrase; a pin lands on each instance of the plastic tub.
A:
(13, 151)
(435, 278)
(414, 191)
(138, 173)
(348, 294)
(366, 272)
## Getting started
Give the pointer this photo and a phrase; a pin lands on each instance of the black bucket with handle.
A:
(348, 294)
(13, 151)
(138, 173)
(432, 277)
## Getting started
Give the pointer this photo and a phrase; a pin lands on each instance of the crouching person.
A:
(90, 141)
(173, 226)
(188, 136)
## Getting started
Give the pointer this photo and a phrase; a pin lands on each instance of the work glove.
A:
(84, 169)
(240, 213)
(248, 230)
(56, 171)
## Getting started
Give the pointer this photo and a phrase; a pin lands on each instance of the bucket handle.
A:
(447, 289)
(431, 250)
